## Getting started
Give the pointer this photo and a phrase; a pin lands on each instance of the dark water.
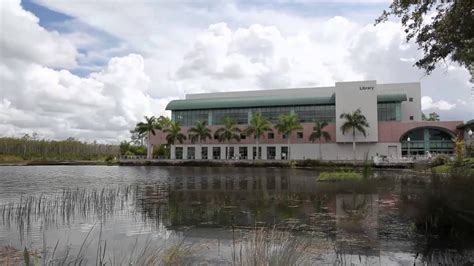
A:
(391, 219)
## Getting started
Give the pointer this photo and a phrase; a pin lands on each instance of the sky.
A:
(92, 69)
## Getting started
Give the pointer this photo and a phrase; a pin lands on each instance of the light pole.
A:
(408, 144)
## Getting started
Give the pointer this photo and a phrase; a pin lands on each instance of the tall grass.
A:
(271, 247)
(65, 206)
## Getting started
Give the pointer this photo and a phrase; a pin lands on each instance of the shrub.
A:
(440, 159)
(340, 176)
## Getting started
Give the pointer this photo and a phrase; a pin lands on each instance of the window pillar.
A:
(426, 140)
(209, 117)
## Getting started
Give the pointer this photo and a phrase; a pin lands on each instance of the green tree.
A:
(318, 134)
(441, 29)
(433, 117)
(257, 127)
(355, 121)
(200, 133)
(174, 133)
(286, 125)
(149, 128)
(124, 147)
(227, 133)
(163, 122)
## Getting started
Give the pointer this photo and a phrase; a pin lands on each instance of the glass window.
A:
(299, 135)
(190, 117)
(411, 117)
(243, 152)
(191, 152)
(311, 113)
(410, 99)
(284, 152)
(216, 153)
(179, 153)
(243, 136)
(204, 153)
(388, 111)
(240, 116)
(271, 135)
(272, 113)
(271, 152)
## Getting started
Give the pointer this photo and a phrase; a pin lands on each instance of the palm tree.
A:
(174, 133)
(228, 132)
(199, 133)
(148, 127)
(258, 126)
(286, 125)
(163, 122)
(318, 134)
(355, 121)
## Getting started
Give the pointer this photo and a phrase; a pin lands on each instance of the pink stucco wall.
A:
(388, 132)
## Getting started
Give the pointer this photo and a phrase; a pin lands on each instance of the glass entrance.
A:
(423, 140)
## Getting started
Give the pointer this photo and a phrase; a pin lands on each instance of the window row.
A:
(306, 114)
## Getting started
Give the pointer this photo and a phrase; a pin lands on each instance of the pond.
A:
(248, 216)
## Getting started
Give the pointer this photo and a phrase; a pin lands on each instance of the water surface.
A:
(393, 218)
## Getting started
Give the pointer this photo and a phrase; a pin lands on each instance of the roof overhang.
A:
(469, 124)
(238, 102)
(391, 98)
(234, 102)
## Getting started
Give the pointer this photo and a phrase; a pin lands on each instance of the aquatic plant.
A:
(270, 246)
(340, 176)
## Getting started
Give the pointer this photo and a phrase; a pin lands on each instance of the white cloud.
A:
(150, 55)
(427, 103)
(22, 38)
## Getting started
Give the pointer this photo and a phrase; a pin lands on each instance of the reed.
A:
(265, 246)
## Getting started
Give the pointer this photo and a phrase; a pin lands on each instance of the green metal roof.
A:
(468, 124)
(240, 102)
(237, 102)
(387, 98)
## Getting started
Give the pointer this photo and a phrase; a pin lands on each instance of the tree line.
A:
(32, 148)
(230, 131)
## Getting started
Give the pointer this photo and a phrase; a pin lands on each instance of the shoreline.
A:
(297, 164)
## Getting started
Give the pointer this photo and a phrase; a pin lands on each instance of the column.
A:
(185, 152)
(264, 152)
(223, 152)
(173, 152)
(198, 152)
(277, 152)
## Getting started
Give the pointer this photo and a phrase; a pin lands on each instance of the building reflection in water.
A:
(357, 218)
(349, 219)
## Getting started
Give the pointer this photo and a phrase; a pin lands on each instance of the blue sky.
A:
(92, 69)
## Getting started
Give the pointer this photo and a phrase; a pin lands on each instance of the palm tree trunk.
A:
(353, 145)
(200, 150)
(320, 153)
(149, 152)
(289, 148)
(257, 144)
